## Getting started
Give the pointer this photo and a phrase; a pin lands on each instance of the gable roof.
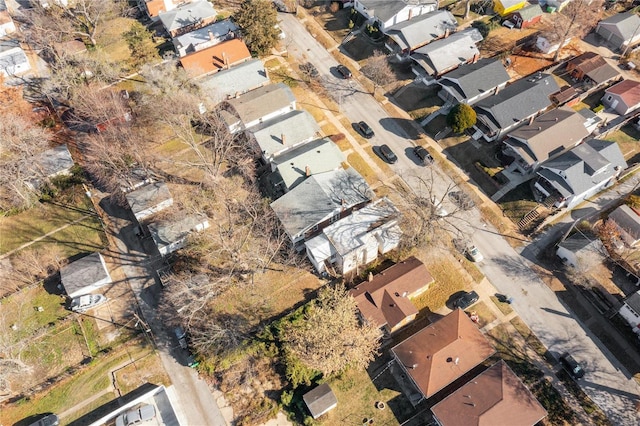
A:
(387, 9)
(594, 66)
(624, 25)
(281, 133)
(446, 53)
(383, 300)
(491, 398)
(578, 243)
(187, 14)
(262, 101)
(628, 90)
(517, 101)
(203, 37)
(529, 12)
(473, 79)
(319, 400)
(167, 232)
(588, 164)
(79, 276)
(236, 80)
(422, 29)
(548, 135)
(319, 156)
(216, 57)
(443, 352)
(628, 220)
(319, 197)
(634, 301)
(53, 161)
(148, 196)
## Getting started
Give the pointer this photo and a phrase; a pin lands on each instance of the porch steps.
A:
(550, 201)
(529, 217)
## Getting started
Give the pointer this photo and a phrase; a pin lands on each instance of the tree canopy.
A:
(461, 117)
(258, 21)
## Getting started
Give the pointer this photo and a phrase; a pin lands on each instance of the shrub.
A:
(482, 27)
(461, 117)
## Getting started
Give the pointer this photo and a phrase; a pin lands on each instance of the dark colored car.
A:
(423, 155)
(386, 154)
(309, 69)
(465, 300)
(571, 365)
(344, 71)
(181, 336)
(48, 420)
(462, 200)
(365, 130)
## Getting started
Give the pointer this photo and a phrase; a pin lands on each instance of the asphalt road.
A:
(605, 382)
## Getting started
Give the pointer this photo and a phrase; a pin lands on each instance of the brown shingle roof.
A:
(442, 352)
(495, 397)
(385, 299)
(216, 57)
(628, 90)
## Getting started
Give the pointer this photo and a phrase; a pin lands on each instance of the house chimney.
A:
(211, 37)
(370, 277)
(531, 120)
(282, 138)
(556, 119)
(307, 171)
(225, 60)
(446, 33)
(475, 58)
(539, 128)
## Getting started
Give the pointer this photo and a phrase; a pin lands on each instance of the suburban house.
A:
(580, 251)
(6, 23)
(544, 137)
(490, 398)
(320, 400)
(409, 35)
(204, 37)
(171, 235)
(440, 354)
(187, 17)
(513, 105)
(527, 16)
(235, 81)
(591, 120)
(357, 239)
(446, 54)
(385, 300)
(627, 221)
(630, 311)
(506, 7)
(580, 173)
(551, 6)
(473, 82)
(284, 133)
(215, 58)
(623, 97)
(149, 199)
(49, 164)
(85, 275)
(13, 60)
(620, 30)
(387, 13)
(319, 201)
(258, 106)
(152, 8)
(134, 179)
(591, 68)
(297, 164)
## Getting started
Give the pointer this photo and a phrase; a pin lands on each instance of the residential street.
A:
(615, 392)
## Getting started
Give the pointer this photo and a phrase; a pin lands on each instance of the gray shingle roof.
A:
(53, 161)
(422, 29)
(83, 273)
(628, 220)
(319, 197)
(167, 232)
(517, 101)
(148, 196)
(634, 302)
(262, 101)
(319, 400)
(584, 166)
(187, 14)
(473, 79)
(622, 24)
(441, 55)
(203, 37)
(530, 12)
(296, 126)
(387, 9)
(238, 79)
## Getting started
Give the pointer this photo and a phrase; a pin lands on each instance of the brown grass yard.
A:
(627, 138)
(147, 369)
(361, 166)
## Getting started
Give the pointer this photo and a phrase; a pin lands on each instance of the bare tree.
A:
(378, 70)
(330, 337)
(576, 19)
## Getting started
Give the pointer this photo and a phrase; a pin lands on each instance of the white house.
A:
(13, 60)
(391, 12)
(630, 311)
(85, 275)
(204, 37)
(235, 81)
(6, 23)
(171, 235)
(628, 223)
(623, 97)
(149, 199)
(581, 252)
(357, 239)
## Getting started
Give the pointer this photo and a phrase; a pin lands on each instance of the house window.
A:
(315, 228)
(335, 217)
(609, 97)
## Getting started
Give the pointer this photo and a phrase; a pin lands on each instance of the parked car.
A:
(181, 336)
(309, 69)
(465, 300)
(387, 155)
(137, 416)
(82, 304)
(344, 71)
(365, 130)
(48, 420)
(423, 155)
(571, 365)
(462, 200)
(474, 254)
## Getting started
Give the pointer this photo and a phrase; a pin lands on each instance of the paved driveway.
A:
(616, 393)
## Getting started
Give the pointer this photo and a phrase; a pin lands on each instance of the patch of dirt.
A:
(526, 63)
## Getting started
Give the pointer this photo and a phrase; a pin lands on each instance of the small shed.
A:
(627, 221)
(85, 275)
(581, 252)
(320, 400)
(171, 235)
(527, 16)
